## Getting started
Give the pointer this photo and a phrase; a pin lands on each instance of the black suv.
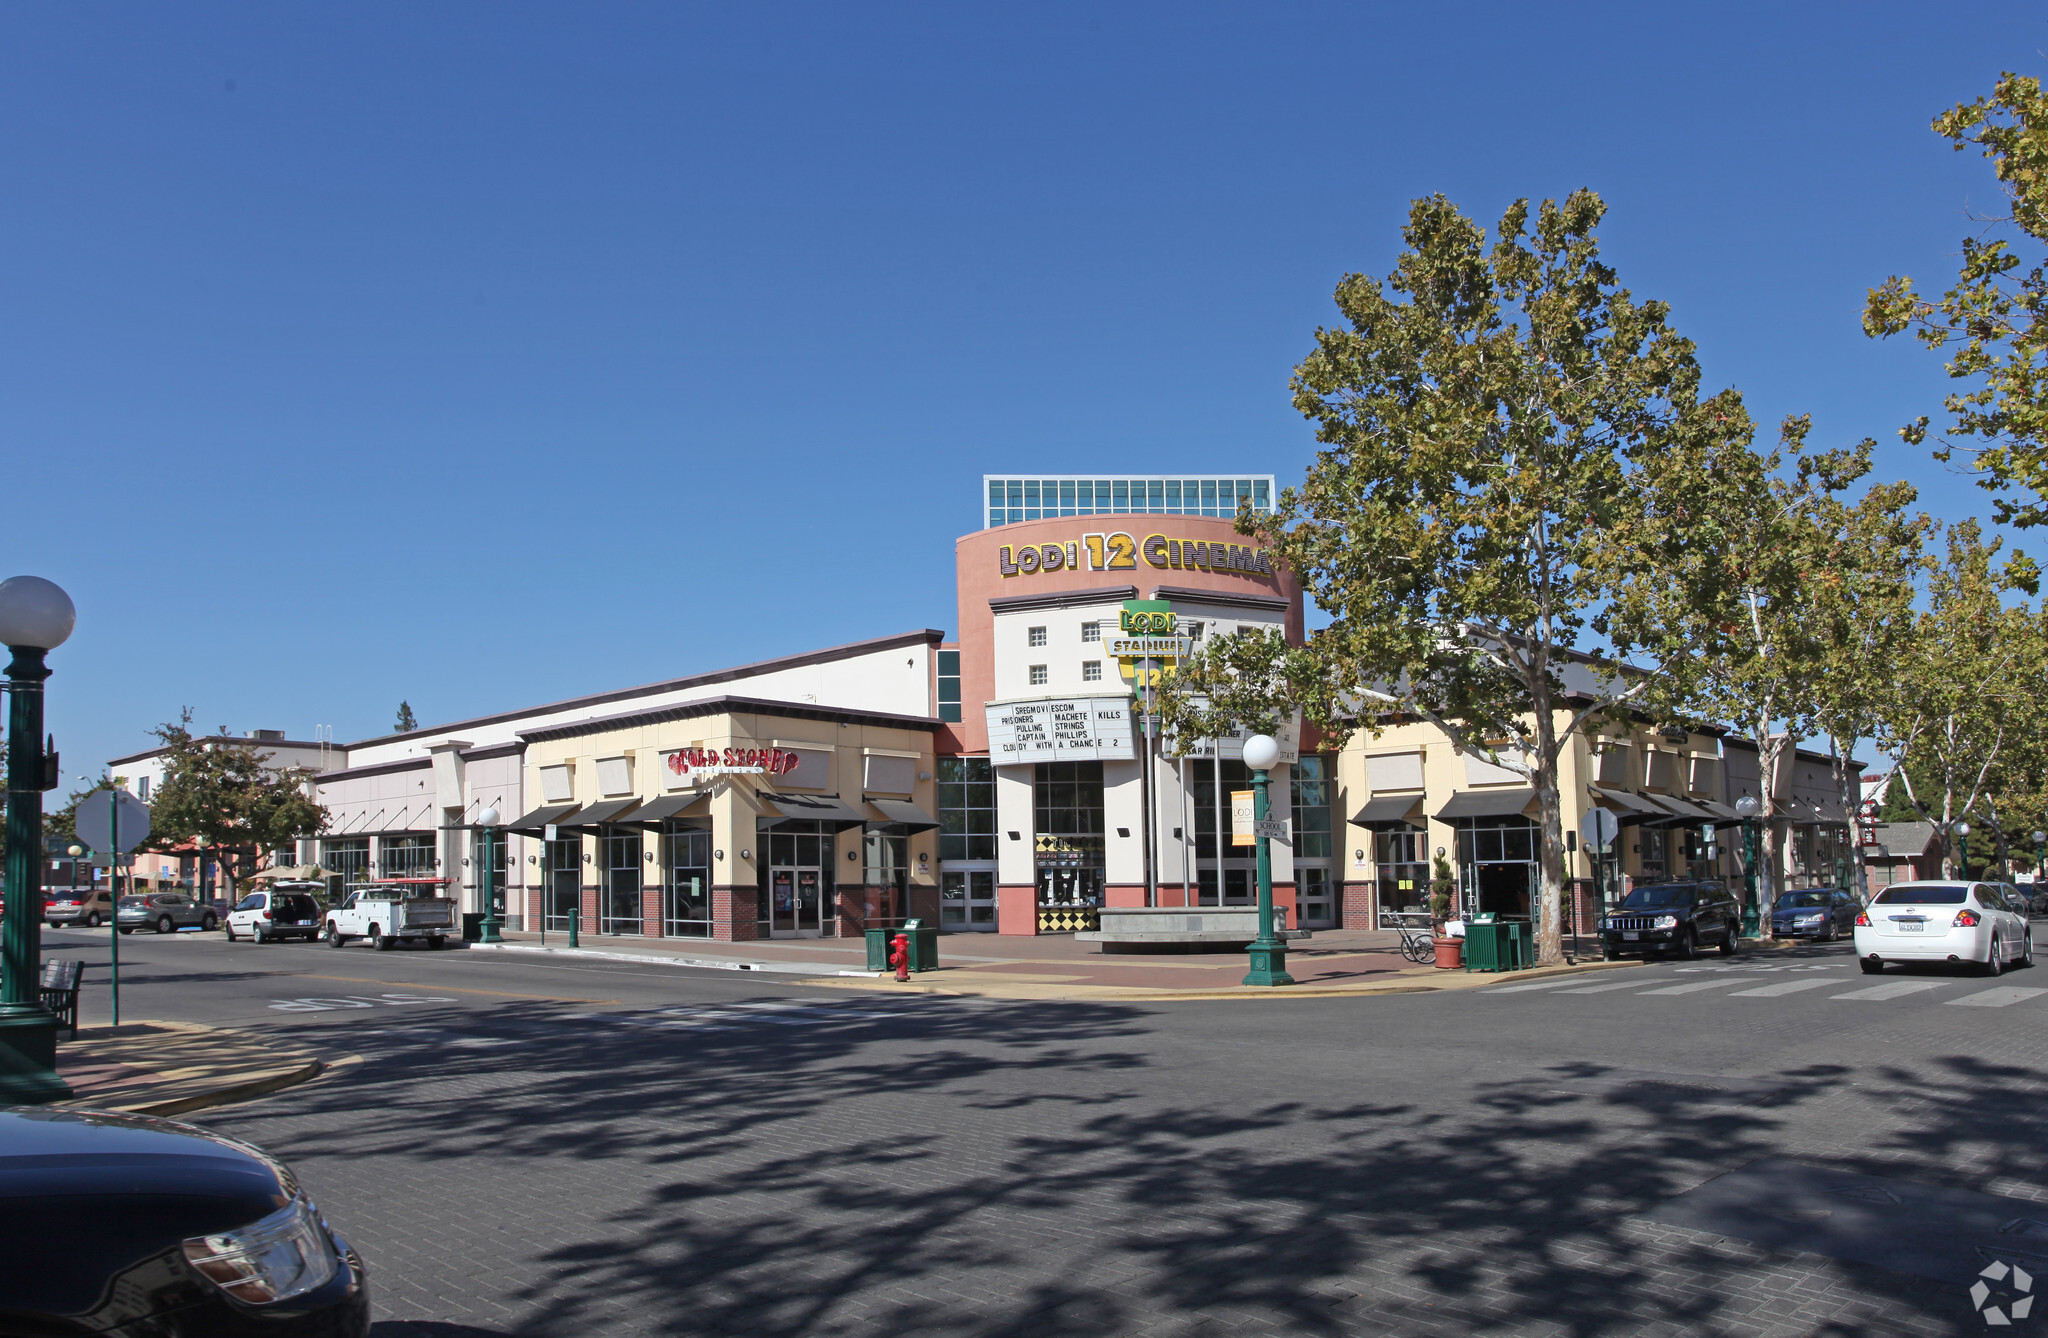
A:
(1679, 918)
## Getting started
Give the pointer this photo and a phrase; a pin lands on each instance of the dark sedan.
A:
(1823, 914)
(126, 1226)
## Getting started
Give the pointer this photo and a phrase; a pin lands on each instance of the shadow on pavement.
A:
(1002, 1170)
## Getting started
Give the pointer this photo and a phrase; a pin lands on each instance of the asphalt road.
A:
(1773, 1144)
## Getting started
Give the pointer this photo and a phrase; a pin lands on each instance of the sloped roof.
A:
(1905, 838)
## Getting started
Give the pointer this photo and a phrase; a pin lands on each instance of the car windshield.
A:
(1656, 898)
(1937, 894)
(1793, 900)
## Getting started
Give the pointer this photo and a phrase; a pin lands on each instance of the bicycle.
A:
(1416, 944)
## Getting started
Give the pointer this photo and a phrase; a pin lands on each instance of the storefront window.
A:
(1314, 888)
(1653, 847)
(1067, 815)
(1401, 871)
(798, 898)
(620, 911)
(967, 808)
(489, 843)
(408, 856)
(1497, 859)
(686, 901)
(347, 861)
(565, 882)
(949, 685)
(885, 880)
(1225, 875)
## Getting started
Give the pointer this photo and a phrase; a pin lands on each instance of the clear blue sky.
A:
(479, 355)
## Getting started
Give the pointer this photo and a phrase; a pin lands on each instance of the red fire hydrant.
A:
(899, 955)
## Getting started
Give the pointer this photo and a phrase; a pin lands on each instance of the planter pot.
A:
(1450, 953)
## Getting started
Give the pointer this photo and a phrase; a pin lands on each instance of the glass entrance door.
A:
(1315, 897)
(565, 881)
(967, 900)
(801, 902)
(796, 902)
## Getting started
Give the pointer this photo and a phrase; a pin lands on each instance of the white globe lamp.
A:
(35, 613)
(1261, 752)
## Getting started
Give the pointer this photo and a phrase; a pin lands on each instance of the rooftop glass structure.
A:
(1014, 497)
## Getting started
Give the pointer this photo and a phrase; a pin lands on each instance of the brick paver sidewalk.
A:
(167, 1068)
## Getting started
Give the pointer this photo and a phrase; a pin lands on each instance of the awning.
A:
(1719, 810)
(1386, 808)
(1830, 811)
(903, 817)
(1487, 803)
(830, 809)
(1626, 801)
(604, 810)
(541, 817)
(1680, 807)
(668, 806)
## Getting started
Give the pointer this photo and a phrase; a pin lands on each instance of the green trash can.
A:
(472, 926)
(1524, 943)
(924, 944)
(1484, 946)
(878, 949)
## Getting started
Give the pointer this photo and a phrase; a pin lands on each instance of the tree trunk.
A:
(1550, 807)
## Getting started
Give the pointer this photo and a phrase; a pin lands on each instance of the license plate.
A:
(1908, 927)
(1630, 936)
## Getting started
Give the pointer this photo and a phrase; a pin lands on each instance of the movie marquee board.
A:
(1070, 729)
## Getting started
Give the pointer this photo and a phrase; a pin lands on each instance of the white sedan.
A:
(1978, 924)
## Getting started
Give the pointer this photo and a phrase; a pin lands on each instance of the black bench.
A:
(59, 988)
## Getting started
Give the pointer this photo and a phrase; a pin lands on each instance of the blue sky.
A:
(480, 355)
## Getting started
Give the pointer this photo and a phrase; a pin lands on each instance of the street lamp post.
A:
(1268, 952)
(488, 821)
(36, 617)
(2040, 853)
(199, 843)
(1747, 808)
(1962, 850)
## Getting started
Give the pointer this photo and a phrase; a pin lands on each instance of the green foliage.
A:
(406, 720)
(1993, 323)
(1443, 890)
(1482, 412)
(218, 787)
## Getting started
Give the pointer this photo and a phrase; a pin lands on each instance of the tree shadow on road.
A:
(1032, 1170)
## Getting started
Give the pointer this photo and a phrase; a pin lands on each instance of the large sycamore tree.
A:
(1482, 413)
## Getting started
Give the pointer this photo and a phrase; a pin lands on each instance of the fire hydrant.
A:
(899, 955)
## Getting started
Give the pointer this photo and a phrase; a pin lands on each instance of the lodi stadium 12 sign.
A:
(1120, 552)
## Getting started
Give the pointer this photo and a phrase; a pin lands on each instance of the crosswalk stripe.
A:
(1783, 987)
(1996, 998)
(1602, 989)
(1539, 985)
(1892, 989)
(1694, 987)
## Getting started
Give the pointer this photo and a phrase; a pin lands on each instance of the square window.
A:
(1037, 636)
(1091, 631)
(1037, 675)
(1091, 671)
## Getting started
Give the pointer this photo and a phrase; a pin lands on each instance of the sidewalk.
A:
(1053, 966)
(168, 1068)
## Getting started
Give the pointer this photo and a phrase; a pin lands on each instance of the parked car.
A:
(399, 911)
(88, 906)
(163, 912)
(275, 913)
(1679, 918)
(1980, 925)
(1819, 913)
(124, 1224)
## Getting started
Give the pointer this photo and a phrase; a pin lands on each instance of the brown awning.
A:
(1624, 800)
(605, 810)
(1488, 803)
(830, 809)
(541, 817)
(669, 806)
(902, 817)
(1386, 808)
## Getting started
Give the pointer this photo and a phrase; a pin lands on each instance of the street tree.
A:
(1965, 690)
(1726, 602)
(222, 788)
(1481, 412)
(1992, 325)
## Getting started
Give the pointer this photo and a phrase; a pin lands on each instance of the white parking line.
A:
(1602, 989)
(1892, 989)
(2001, 997)
(1782, 987)
(1696, 986)
(1539, 985)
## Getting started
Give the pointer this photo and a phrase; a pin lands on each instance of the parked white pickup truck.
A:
(388, 913)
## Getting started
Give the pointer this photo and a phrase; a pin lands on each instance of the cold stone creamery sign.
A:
(696, 764)
(1079, 729)
(1120, 552)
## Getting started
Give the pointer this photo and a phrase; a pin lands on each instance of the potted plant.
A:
(1443, 900)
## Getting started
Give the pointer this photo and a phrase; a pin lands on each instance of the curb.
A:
(962, 989)
(222, 1096)
(664, 959)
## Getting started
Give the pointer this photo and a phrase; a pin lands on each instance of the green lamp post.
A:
(1268, 952)
(1962, 830)
(2040, 853)
(1747, 808)
(487, 822)
(36, 617)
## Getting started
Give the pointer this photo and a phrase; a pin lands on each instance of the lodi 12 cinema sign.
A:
(1120, 552)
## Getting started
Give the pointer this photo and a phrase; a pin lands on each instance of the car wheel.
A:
(208, 921)
(1687, 948)
(1609, 955)
(1731, 940)
(93, 921)
(229, 930)
(1826, 935)
(164, 925)
(124, 931)
(334, 938)
(1870, 968)
(436, 942)
(383, 941)
(1994, 960)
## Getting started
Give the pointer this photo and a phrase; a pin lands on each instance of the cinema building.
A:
(998, 781)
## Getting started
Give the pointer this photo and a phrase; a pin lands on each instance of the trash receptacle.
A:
(924, 944)
(1523, 944)
(472, 926)
(1483, 946)
(878, 949)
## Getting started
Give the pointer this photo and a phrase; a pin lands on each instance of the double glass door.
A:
(564, 883)
(621, 910)
(801, 901)
(796, 902)
(1315, 897)
(967, 900)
